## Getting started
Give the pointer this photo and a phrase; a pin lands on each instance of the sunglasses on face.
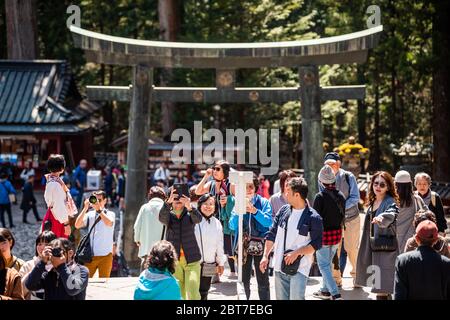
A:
(380, 184)
(217, 168)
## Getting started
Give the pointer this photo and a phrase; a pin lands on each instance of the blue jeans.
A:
(290, 287)
(324, 261)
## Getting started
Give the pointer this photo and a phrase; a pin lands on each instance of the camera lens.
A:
(93, 199)
(56, 252)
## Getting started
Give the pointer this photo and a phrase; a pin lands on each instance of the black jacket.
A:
(181, 232)
(331, 211)
(422, 274)
(310, 222)
(438, 211)
(62, 283)
(28, 199)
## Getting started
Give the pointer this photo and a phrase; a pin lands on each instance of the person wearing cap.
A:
(330, 204)
(346, 183)
(28, 200)
(422, 182)
(409, 205)
(442, 246)
(423, 274)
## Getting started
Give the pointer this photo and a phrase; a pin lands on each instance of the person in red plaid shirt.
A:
(330, 204)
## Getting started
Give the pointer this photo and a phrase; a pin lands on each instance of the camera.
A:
(56, 252)
(93, 199)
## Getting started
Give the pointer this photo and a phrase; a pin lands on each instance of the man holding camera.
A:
(66, 280)
(101, 237)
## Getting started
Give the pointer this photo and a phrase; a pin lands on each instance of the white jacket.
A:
(212, 236)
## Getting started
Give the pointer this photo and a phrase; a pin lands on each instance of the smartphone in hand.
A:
(181, 189)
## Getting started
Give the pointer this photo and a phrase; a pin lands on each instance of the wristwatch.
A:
(66, 224)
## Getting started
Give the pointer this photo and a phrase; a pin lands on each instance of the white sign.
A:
(240, 179)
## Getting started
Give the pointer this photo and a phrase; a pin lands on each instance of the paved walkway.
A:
(123, 289)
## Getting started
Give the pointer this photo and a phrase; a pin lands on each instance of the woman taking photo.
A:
(42, 241)
(180, 218)
(209, 237)
(222, 191)
(379, 225)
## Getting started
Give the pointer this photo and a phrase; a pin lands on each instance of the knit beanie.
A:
(326, 175)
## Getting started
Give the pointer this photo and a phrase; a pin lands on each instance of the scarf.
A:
(70, 204)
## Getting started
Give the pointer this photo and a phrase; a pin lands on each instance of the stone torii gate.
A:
(225, 58)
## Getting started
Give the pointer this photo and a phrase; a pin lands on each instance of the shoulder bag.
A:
(207, 269)
(84, 252)
(383, 242)
(255, 244)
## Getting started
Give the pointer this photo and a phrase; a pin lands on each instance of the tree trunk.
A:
(375, 154)
(394, 122)
(441, 92)
(108, 115)
(169, 24)
(21, 29)
(362, 110)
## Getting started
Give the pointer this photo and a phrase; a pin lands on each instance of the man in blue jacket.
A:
(80, 179)
(256, 224)
(6, 188)
(296, 233)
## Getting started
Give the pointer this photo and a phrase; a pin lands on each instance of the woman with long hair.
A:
(410, 204)
(379, 222)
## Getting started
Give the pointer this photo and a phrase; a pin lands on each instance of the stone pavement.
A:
(26, 234)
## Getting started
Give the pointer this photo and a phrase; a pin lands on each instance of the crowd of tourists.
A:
(187, 233)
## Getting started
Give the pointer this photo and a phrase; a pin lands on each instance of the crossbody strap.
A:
(286, 230)
(201, 241)
(372, 230)
(95, 223)
(163, 231)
